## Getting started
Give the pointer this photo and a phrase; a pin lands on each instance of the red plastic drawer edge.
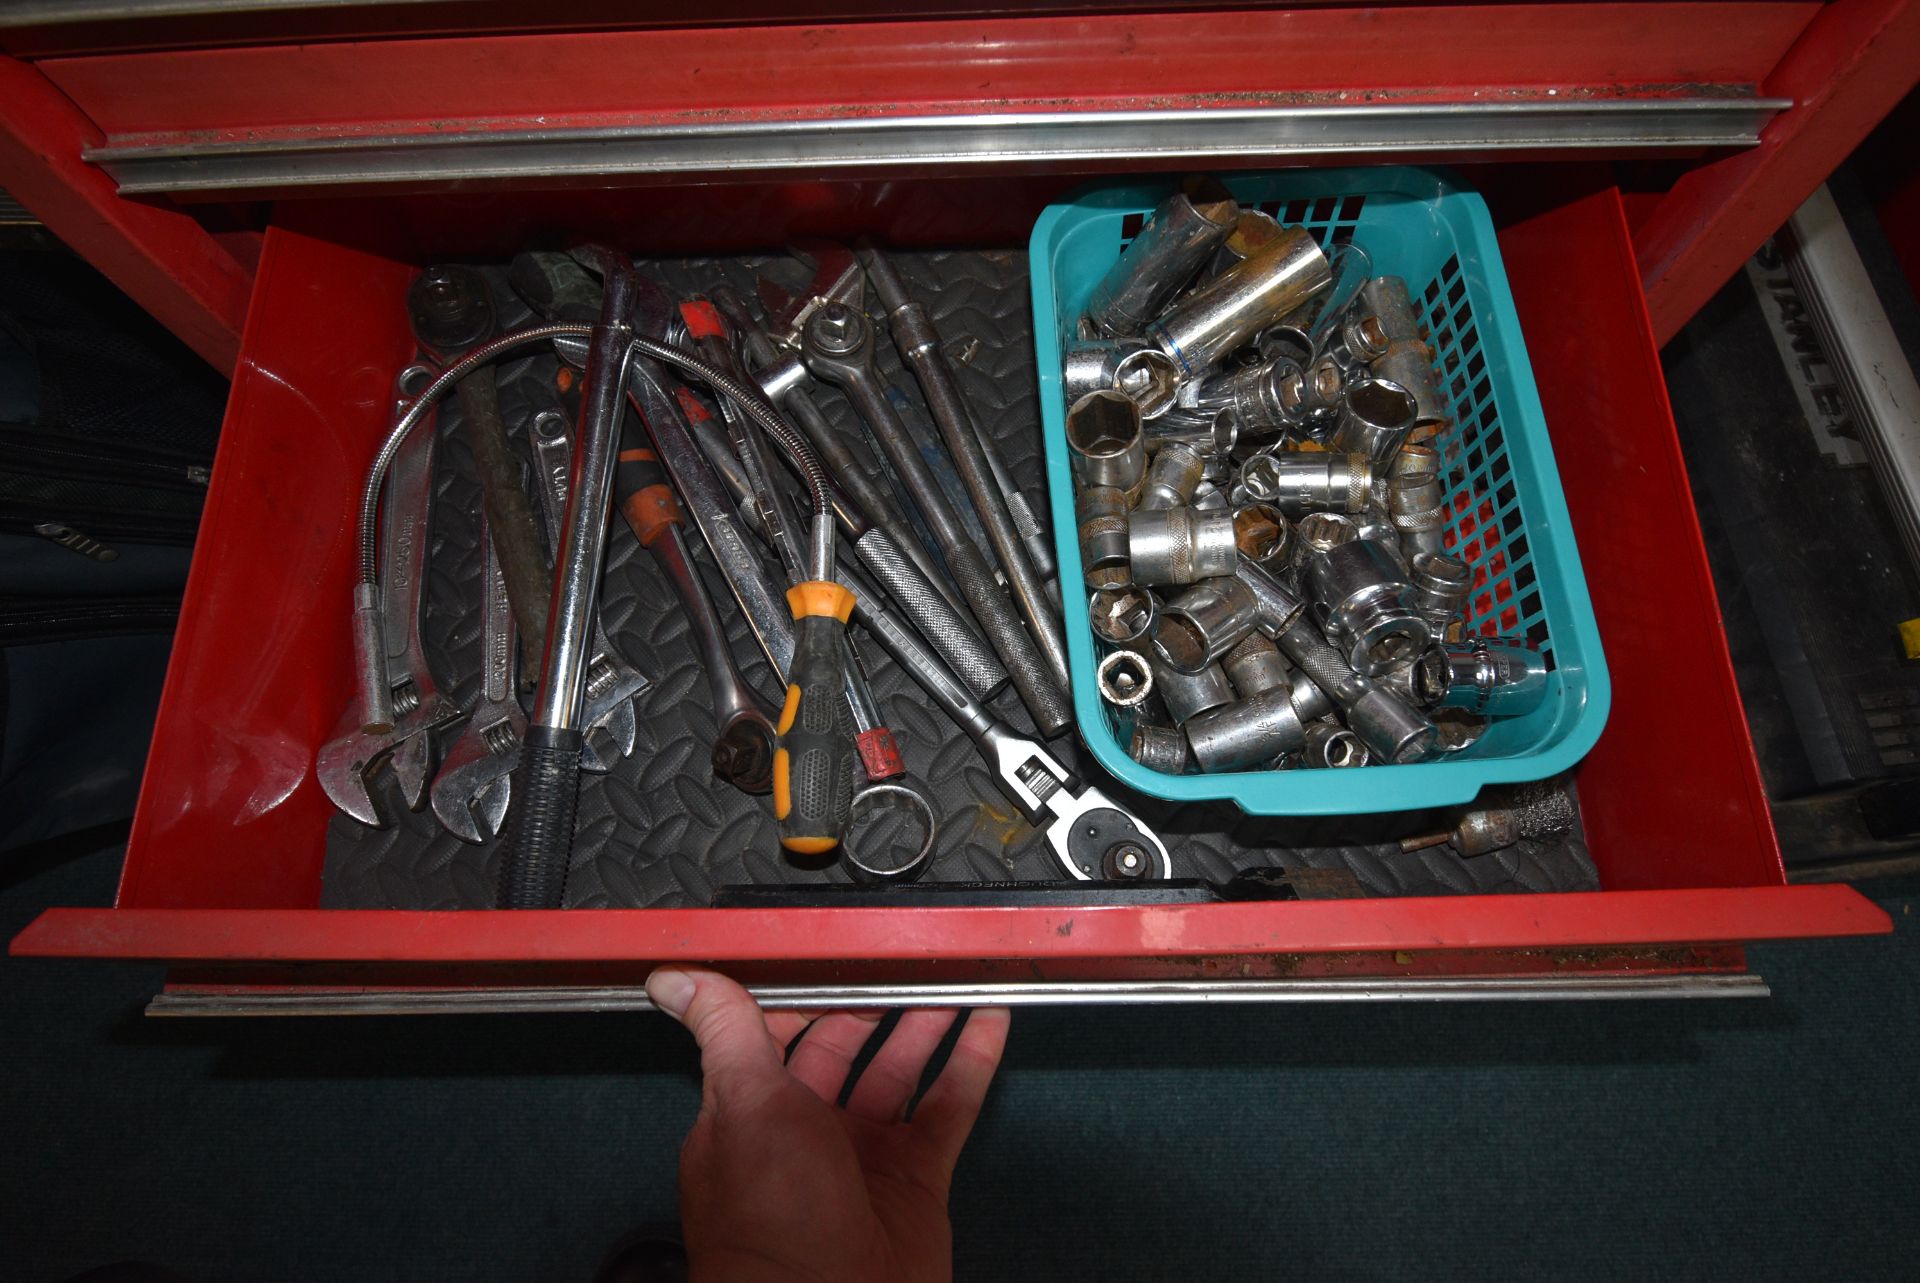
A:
(1466, 922)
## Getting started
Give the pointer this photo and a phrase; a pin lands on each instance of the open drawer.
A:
(224, 867)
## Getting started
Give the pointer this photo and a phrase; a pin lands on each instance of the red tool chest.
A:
(222, 878)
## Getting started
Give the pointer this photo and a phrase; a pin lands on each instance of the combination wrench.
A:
(838, 344)
(394, 665)
(474, 786)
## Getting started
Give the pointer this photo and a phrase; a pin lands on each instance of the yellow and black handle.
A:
(813, 766)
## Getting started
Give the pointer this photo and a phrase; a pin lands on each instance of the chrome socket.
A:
(1262, 535)
(1089, 366)
(1375, 417)
(1358, 340)
(1103, 436)
(1331, 745)
(1248, 734)
(1318, 532)
(1493, 677)
(1208, 497)
(1440, 588)
(1102, 511)
(1160, 748)
(1307, 481)
(1125, 679)
(1240, 302)
(1361, 594)
(1309, 701)
(1205, 622)
(1409, 364)
(1213, 434)
(1263, 398)
(1174, 474)
(1375, 526)
(1149, 379)
(1256, 666)
(1176, 242)
(1187, 695)
(1180, 545)
(1320, 400)
(1124, 617)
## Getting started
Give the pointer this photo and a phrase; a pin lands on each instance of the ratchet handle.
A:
(539, 838)
(641, 490)
(813, 766)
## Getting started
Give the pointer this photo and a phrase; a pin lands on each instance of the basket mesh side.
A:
(1484, 527)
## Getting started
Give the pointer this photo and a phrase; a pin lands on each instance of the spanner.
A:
(606, 711)
(346, 763)
(475, 783)
(1092, 836)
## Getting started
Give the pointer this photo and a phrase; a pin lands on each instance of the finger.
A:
(736, 1048)
(947, 1112)
(826, 1053)
(893, 1075)
(785, 1026)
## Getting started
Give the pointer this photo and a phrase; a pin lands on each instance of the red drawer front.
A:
(224, 862)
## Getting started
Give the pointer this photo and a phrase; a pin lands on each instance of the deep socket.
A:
(1163, 256)
(1240, 302)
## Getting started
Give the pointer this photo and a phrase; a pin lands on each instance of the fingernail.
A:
(671, 991)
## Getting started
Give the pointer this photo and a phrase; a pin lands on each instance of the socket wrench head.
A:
(1124, 617)
(1172, 477)
(1365, 604)
(1160, 748)
(1163, 256)
(1205, 622)
(1493, 677)
(1103, 436)
(1261, 534)
(1249, 734)
(1331, 745)
(1388, 298)
(1240, 302)
(1375, 417)
(1125, 678)
(1188, 694)
(1179, 545)
(1409, 365)
(1150, 379)
(1306, 481)
(1103, 536)
(1256, 666)
(1440, 587)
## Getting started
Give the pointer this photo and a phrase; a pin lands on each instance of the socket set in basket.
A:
(676, 741)
(1273, 498)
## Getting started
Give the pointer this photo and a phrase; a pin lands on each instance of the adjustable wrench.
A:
(606, 710)
(346, 763)
(839, 349)
(475, 783)
(1092, 836)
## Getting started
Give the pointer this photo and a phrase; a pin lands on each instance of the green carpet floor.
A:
(1728, 1139)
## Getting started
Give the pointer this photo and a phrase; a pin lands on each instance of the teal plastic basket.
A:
(1507, 516)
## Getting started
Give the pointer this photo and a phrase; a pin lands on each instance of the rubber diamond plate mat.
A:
(658, 830)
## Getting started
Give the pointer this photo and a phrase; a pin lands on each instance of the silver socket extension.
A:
(1248, 734)
(1103, 436)
(1204, 622)
(1179, 545)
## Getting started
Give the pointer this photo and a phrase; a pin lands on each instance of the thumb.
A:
(735, 1046)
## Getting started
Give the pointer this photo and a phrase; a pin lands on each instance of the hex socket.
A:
(1256, 666)
(1102, 511)
(1440, 587)
(1410, 364)
(1123, 617)
(1160, 748)
(1263, 398)
(1358, 339)
(1375, 417)
(1125, 679)
(1237, 304)
(1318, 481)
(1089, 367)
(1162, 257)
(1415, 501)
(1173, 476)
(1262, 534)
(1361, 594)
(1205, 622)
(1328, 745)
(1103, 435)
(1187, 695)
(1179, 545)
(1248, 733)
(1317, 532)
(1149, 379)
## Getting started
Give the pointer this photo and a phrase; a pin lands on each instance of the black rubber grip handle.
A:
(1052, 714)
(813, 766)
(539, 836)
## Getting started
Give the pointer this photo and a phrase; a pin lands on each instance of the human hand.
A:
(779, 1182)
